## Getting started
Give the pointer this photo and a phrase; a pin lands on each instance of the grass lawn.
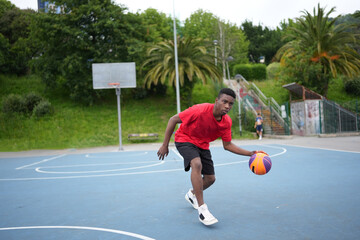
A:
(273, 88)
(76, 126)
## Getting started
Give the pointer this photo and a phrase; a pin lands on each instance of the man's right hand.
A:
(163, 152)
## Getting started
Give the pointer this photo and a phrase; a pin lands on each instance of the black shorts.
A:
(259, 128)
(189, 151)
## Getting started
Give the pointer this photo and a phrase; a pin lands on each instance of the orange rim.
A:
(114, 84)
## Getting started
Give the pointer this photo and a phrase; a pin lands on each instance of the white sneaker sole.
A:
(208, 223)
(188, 199)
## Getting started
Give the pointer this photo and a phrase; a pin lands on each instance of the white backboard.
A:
(105, 73)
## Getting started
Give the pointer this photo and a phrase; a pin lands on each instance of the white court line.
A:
(177, 153)
(91, 176)
(274, 155)
(98, 171)
(246, 161)
(328, 149)
(132, 173)
(42, 161)
(82, 228)
(99, 164)
(132, 155)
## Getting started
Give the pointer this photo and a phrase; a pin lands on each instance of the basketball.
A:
(260, 163)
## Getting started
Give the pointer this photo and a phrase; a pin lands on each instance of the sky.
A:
(265, 12)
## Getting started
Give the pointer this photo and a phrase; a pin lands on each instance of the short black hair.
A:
(227, 91)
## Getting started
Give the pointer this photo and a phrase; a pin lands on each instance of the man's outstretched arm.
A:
(164, 149)
(237, 150)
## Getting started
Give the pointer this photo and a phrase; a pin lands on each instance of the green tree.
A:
(231, 40)
(201, 24)
(323, 47)
(14, 28)
(193, 63)
(263, 41)
(232, 43)
(158, 25)
(356, 14)
(4, 53)
(5, 6)
(85, 32)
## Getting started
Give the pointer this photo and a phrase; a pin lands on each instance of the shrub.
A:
(42, 109)
(138, 93)
(159, 89)
(258, 72)
(30, 103)
(248, 120)
(244, 69)
(13, 104)
(250, 71)
(273, 70)
(31, 100)
(353, 86)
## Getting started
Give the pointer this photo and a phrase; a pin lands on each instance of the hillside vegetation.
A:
(74, 125)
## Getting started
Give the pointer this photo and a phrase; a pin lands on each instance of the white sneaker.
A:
(205, 216)
(260, 137)
(190, 197)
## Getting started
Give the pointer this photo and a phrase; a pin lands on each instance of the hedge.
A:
(353, 86)
(251, 71)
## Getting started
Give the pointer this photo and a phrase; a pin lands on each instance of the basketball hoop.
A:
(106, 74)
(116, 76)
(114, 85)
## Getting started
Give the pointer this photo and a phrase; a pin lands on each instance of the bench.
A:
(143, 136)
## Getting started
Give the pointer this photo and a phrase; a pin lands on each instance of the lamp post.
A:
(215, 44)
(238, 78)
(176, 65)
(228, 59)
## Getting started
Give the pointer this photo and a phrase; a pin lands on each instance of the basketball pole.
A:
(118, 92)
(114, 75)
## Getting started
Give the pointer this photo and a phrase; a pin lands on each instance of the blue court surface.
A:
(310, 193)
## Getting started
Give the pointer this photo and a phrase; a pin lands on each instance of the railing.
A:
(266, 101)
(256, 93)
(273, 105)
(250, 106)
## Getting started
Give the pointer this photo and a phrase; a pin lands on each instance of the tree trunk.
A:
(186, 92)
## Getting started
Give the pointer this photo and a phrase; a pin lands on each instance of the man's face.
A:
(224, 104)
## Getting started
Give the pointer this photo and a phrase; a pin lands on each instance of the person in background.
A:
(258, 125)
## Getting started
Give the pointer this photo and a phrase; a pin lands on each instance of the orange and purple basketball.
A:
(260, 163)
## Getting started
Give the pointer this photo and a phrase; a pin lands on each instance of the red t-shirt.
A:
(200, 127)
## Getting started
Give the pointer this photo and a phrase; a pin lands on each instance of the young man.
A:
(200, 125)
(258, 125)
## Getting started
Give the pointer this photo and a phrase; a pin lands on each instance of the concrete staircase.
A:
(271, 126)
(273, 123)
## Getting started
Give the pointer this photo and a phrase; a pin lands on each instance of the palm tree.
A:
(193, 63)
(332, 47)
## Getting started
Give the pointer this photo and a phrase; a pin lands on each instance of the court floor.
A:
(310, 193)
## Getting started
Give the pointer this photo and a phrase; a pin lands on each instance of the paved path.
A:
(346, 143)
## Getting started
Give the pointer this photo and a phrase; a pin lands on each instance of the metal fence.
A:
(337, 118)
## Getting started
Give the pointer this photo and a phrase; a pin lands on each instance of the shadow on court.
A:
(310, 193)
